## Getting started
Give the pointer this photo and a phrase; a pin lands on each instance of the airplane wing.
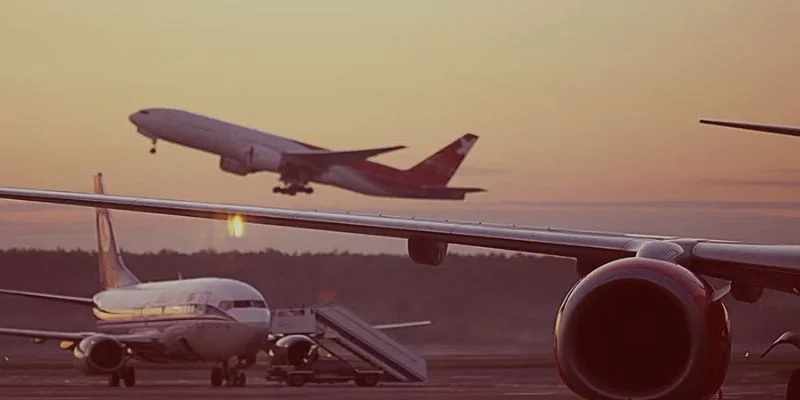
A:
(770, 266)
(781, 130)
(326, 158)
(84, 301)
(132, 340)
(401, 325)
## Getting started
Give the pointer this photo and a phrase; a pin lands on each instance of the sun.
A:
(235, 226)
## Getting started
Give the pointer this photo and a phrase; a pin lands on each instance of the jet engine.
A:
(427, 251)
(299, 351)
(99, 355)
(642, 328)
(251, 159)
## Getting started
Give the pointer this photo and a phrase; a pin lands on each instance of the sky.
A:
(587, 112)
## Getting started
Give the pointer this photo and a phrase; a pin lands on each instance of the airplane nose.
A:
(133, 117)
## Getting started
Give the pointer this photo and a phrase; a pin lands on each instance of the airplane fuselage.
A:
(204, 319)
(243, 150)
(233, 141)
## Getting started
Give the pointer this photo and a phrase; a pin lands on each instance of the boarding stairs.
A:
(337, 328)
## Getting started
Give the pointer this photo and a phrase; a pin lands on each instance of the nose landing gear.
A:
(153, 149)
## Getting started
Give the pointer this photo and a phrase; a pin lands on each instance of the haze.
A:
(575, 101)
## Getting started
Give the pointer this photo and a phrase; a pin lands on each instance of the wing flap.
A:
(323, 159)
(84, 301)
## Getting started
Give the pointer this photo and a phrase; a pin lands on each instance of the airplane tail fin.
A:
(440, 167)
(113, 272)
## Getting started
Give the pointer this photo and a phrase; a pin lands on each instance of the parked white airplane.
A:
(188, 320)
(245, 151)
(643, 322)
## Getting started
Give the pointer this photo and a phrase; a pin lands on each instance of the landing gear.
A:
(153, 149)
(793, 388)
(292, 190)
(127, 375)
(230, 376)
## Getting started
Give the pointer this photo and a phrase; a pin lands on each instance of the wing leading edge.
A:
(770, 266)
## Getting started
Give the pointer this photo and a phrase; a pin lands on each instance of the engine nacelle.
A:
(642, 328)
(251, 159)
(299, 351)
(427, 251)
(99, 355)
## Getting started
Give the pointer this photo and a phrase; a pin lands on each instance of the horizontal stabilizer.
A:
(401, 325)
(324, 159)
(85, 301)
(447, 193)
(781, 130)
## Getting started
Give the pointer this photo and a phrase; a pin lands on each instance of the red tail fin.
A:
(441, 166)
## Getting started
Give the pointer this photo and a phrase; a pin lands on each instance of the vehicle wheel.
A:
(129, 377)
(216, 376)
(296, 380)
(241, 379)
(367, 379)
(793, 388)
(113, 379)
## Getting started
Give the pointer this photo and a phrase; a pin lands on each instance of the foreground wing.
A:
(578, 244)
(781, 130)
(770, 266)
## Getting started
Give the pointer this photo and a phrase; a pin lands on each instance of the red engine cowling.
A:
(639, 328)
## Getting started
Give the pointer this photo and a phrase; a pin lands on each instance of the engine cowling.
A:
(250, 159)
(299, 351)
(642, 328)
(427, 251)
(99, 355)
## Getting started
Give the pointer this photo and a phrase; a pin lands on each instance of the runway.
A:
(744, 382)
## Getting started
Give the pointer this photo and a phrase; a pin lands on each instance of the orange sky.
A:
(574, 101)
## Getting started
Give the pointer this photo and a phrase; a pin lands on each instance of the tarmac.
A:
(744, 382)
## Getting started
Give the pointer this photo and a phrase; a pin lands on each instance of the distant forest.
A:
(477, 301)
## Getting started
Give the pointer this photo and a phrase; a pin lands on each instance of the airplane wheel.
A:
(129, 376)
(113, 379)
(309, 190)
(216, 377)
(241, 379)
(276, 190)
(367, 379)
(793, 388)
(296, 380)
(153, 151)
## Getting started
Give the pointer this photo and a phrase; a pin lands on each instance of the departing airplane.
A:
(217, 320)
(641, 322)
(244, 151)
(781, 130)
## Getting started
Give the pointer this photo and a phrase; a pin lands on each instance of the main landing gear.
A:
(127, 375)
(227, 375)
(292, 190)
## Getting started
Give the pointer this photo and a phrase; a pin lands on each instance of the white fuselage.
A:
(234, 142)
(203, 319)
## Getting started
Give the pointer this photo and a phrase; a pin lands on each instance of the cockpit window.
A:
(227, 305)
(145, 112)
